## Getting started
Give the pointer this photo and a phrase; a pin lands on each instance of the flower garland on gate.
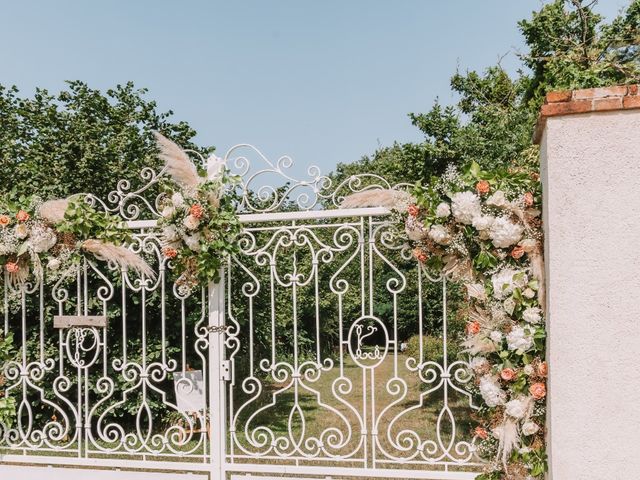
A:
(199, 224)
(47, 240)
(484, 229)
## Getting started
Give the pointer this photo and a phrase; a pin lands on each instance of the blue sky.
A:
(324, 81)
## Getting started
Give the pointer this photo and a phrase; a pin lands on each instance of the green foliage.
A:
(80, 140)
(7, 404)
(84, 222)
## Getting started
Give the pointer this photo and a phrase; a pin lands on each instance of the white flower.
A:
(497, 199)
(529, 428)
(517, 408)
(496, 336)
(497, 431)
(509, 305)
(440, 234)
(477, 363)
(215, 167)
(491, 392)
(520, 338)
(506, 280)
(191, 222)
(53, 264)
(42, 239)
(528, 293)
(21, 231)
(532, 315)
(504, 232)
(482, 222)
(177, 199)
(170, 233)
(528, 369)
(168, 211)
(193, 241)
(465, 206)
(443, 210)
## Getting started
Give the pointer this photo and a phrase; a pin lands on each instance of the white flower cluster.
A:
(491, 392)
(520, 338)
(465, 206)
(504, 232)
(506, 280)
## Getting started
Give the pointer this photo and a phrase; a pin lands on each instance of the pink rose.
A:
(483, 187)
(538, 391)
(481, 432)
(413, 210)
(473, 328)
(420, 255)
(12, 267)
(169, 252)
(507, 374)
(22, 216)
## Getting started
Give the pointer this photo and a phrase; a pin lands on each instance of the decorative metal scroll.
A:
(303, 362)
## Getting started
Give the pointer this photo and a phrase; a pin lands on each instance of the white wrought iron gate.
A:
(323, 351)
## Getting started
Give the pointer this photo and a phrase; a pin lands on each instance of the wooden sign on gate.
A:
(70, 321)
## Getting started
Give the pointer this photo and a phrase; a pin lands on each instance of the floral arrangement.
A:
(38, 238)
(484, 229)
(198, 217)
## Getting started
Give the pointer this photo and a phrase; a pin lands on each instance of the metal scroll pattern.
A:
(317, 312)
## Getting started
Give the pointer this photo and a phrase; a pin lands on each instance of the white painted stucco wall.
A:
(591, 179)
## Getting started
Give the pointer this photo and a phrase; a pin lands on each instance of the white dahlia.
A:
(506, 280)
(520, 339)
(443, 210)
(482, 222)
(517, 408)
(532, 315)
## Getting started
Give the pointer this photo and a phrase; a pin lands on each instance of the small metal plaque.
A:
(69, 321)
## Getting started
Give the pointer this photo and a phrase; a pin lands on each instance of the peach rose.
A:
(22, 216)
(12, 267)
(517, 252)
(196, 210)
(481, 432)
(538, 391)
(413, 210)
(483, 187)
(169, 252)
(420, 255)
(4, 220)
(528, 199)
(507, 374)
(473, 328)
(543, 369)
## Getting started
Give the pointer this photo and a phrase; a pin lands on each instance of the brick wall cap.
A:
(588, 100)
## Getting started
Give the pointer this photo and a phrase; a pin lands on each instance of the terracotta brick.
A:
(602, 92)
(561, 96)
(604, 104)
(632, 102)
(633, 89)
(566, 108)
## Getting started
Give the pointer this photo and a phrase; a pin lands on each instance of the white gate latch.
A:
(225, 370)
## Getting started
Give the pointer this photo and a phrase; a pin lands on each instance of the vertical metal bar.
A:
(216, 385)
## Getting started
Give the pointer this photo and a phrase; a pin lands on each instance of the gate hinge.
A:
(225, 370)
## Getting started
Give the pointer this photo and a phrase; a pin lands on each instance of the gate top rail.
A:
(265, 187)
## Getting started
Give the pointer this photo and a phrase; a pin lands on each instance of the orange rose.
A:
(169, 252)
(507, 374)
(413, 210)
(420, 255)
(483, 187)
(517, 252)
(12, 267)
(543, 369)
(196, 210)
(538, 391)
(481, 432)
(22, 216)
(528, 199)
(473, 328)
(4, 220)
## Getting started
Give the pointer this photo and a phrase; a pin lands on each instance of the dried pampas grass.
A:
(378, 197)
(53, 211)
(178, 163)
(121, 256)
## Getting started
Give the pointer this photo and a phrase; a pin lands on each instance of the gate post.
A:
(217, 443)
(591, 183)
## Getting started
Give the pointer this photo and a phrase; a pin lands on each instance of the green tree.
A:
(80, 140)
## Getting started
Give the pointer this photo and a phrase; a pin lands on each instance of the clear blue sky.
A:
(324, 81)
